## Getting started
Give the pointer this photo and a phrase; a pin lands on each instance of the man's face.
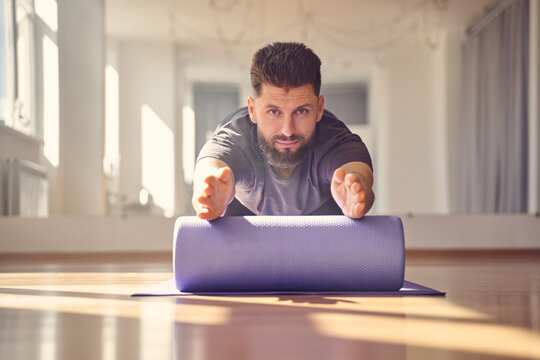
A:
(286, 122)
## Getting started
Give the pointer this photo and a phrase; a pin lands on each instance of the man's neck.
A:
(286, 173)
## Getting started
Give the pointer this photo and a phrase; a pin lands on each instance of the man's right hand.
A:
(214, 193)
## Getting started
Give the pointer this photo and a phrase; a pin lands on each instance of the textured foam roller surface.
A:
(289, 253)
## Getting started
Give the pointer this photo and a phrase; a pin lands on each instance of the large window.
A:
(212, 103)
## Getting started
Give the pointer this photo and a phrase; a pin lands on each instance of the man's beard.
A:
(288, 158)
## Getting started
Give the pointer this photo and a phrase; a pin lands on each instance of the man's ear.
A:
(251, 109)
(320, 107)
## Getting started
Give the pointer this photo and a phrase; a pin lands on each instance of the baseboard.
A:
(80, 234)
(472, 231)
(72, 234)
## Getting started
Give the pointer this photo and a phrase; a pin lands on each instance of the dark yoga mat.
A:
(289, 254)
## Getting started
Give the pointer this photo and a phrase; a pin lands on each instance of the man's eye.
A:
(302, 111)
(273, 112)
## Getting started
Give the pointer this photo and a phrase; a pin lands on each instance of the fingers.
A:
(349, 193)
(207, 189)
(205, 200)
(351, 179)
(206, 214)
(361, 196)
(358, 210)
(203, 211)
(339, 175)
(212, 199)
(210, 180)
(207, 210)
(358, 192)
(356, 203)
(356, 187)
(207, 206)
(225, 174)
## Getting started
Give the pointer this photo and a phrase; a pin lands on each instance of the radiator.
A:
(26, 189)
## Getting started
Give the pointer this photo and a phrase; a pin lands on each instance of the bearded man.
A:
(283, 154)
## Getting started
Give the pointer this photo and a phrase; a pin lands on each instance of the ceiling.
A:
(344, 28)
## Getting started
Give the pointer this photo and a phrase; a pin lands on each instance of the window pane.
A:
(22, 113)
(347, 101)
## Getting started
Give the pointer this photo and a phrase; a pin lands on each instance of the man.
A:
(283, 154)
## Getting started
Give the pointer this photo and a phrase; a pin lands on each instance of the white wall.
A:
(182, 189)
(146, 77)
(412, 97)
(452, 112)
(213, 68)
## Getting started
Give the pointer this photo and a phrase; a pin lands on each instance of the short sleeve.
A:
(231, 144)
(339, 147)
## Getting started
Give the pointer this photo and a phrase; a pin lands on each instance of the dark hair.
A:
(286, 65)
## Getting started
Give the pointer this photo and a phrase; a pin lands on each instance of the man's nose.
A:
(287, 127)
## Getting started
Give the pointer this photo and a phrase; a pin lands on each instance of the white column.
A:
(81, 47)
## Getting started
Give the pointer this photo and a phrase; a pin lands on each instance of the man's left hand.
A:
(351, 192)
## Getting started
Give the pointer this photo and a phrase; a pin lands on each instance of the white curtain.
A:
(493, 132)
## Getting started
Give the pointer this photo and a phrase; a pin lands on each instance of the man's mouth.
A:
(285, 151)
(287, 144)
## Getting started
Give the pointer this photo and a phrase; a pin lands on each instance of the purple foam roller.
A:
(289, 254)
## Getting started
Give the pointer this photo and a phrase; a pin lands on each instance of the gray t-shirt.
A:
(263, 192)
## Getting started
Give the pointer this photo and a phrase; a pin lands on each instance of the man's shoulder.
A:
(235, 130)
(329, 126)
(233, 135)
(236, 118)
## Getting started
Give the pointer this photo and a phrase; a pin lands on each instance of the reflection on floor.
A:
(78, 306)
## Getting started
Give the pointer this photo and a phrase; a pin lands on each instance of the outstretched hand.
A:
(350, 194)
(215, 194)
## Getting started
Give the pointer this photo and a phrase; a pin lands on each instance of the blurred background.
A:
(106, 103)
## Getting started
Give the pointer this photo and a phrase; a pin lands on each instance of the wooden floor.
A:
(78, 307)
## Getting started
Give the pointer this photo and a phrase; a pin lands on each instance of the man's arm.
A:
(351, 189)
(213, 188)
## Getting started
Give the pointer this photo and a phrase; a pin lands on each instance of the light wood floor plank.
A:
(77, 306)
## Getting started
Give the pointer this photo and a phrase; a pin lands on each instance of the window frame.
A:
(20, 109)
